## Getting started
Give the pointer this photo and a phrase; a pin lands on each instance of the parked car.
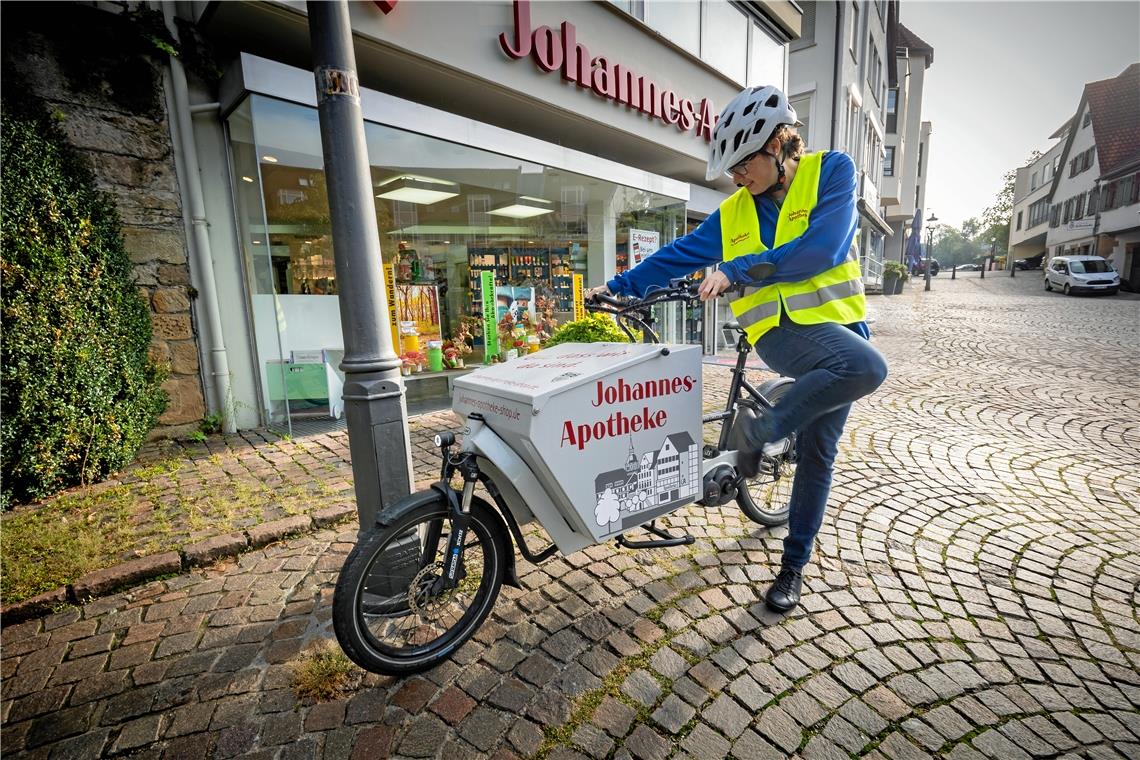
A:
(1033, 262)
(968, 268)
(920, 268)
(1082, 274)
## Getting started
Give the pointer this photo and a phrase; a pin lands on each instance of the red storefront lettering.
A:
(612, 81)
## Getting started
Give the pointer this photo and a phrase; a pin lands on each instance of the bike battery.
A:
(612, 431)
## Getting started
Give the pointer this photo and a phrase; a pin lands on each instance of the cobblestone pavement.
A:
(974, 594)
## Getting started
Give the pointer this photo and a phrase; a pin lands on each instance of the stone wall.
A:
(133, 159)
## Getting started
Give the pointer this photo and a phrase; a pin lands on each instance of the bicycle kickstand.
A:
(664, 539)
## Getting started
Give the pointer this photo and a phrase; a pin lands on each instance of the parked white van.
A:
(1082, 274)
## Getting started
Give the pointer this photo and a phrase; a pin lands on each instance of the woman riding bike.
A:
(795, 211)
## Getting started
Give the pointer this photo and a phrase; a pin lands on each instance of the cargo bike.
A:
(589, 440)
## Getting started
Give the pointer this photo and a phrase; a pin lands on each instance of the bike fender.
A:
(421, 498)
(394, 512)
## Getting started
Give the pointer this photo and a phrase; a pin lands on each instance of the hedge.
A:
(79, 391)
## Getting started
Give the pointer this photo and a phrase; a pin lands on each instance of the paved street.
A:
(975, 594)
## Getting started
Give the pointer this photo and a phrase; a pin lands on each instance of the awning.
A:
(873, 217)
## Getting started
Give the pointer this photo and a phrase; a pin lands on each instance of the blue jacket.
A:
(831, 228)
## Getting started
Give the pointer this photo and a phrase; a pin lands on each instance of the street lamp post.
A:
(929, 244)
(373, 391)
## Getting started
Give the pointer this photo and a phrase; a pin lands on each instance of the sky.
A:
(1005, 76)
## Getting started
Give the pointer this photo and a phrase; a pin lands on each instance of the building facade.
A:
(531, 141)
(1095, 191)
(1029, 220)
(908, 141)
(838, 82)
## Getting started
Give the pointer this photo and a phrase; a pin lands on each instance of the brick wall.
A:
(133, 159)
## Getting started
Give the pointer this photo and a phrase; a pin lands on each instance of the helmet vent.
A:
(748, 109)
(772, 101)
(759, 128)
(737, 140)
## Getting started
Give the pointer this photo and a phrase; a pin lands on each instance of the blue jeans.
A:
(833, 366)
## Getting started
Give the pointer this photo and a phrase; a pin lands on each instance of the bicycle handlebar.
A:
(679, 289)
(682, 289)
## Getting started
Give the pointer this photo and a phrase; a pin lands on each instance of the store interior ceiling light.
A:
(454, 230)
(269, 158)
(247, 179)
(413, 189)
(525, 207)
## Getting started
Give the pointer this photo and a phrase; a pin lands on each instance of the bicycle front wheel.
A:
(391, 613)
(765, 499)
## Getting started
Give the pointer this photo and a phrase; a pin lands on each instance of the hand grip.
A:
(604, 298)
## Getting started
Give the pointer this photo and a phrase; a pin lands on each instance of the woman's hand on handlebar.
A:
(713, 285)
(600, 289)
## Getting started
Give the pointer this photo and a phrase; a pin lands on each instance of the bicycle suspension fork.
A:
(460, 523)
(459, 510)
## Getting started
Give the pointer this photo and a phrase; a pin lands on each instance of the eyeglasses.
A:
(742, 167)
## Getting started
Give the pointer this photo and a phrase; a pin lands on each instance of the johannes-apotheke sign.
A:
(560, 50)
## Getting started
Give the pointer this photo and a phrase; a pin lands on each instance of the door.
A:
(1062, 274)
(1057, 272)
(1133, 264)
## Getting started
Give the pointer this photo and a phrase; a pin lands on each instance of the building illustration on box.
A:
(652, 483)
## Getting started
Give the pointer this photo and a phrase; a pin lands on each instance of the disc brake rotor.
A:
(422, 600)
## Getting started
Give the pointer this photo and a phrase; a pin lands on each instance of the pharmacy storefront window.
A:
(446, 214)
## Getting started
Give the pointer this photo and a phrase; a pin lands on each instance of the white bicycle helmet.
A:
(746, 125)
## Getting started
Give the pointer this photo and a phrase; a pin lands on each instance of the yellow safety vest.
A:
(835, 295)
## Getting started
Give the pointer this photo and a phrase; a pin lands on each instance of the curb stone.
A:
(143, 568)
(210, 550)
(36, 606)
(267, 533)
(138, 571)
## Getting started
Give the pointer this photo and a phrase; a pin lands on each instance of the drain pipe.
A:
(836, 80)
(217, 363)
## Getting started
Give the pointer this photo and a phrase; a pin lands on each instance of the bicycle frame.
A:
(739, 383)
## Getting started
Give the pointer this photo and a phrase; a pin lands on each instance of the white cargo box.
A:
(612, 430)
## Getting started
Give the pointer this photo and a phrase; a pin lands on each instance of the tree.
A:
(80, 392)
(608, 509)
(954, 248)
(999, 211)
(970, 227)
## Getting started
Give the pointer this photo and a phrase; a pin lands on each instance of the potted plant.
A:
(894, 275)
(593, 328)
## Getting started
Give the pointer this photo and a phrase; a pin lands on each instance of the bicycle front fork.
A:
(460, 509)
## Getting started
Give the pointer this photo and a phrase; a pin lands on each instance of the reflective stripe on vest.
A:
(835, 295)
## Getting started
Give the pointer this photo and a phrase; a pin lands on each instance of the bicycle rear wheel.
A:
(391, 615)
(765, 499)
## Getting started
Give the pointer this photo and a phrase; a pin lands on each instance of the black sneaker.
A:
(784, 594)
